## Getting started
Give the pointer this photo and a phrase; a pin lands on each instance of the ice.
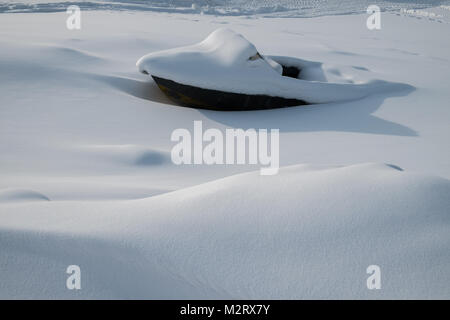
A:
(286, 8)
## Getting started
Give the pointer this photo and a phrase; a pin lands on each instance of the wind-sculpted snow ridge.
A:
(291, 8)
(11, 194)
(308, 232)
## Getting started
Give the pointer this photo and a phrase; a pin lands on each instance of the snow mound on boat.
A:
(308, 232)
(227, 61)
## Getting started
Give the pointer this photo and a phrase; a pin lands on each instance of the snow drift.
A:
(11, 194)
(308, 232)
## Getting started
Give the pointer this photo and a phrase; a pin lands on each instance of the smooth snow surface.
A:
(223, 62)
(308, 232)
(86, 176)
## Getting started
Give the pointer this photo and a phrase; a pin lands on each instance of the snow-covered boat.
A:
(226, 72)
(223, 72)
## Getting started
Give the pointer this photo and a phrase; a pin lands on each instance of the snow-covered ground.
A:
(86, 176)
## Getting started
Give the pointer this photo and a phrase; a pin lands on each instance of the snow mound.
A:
(226, 61)
(7, 195)
(308, 232)
(133, 155)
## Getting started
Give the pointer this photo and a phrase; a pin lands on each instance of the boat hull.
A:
(195, 97)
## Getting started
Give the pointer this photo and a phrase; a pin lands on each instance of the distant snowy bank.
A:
(288, 8)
